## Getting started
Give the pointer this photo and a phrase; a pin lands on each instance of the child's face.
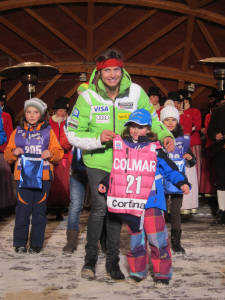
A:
(170, 123)
(136, 130)
(32, 115)
(61, 113)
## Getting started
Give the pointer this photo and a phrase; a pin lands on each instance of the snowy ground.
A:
(51, 275)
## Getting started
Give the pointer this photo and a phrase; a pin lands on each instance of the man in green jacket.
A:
(98, 115)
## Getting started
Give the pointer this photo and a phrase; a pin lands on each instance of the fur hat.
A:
(62, 103)
(37, 103)
(169, 111)
(174, 96)
(154, 91)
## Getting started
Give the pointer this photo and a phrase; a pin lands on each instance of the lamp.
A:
(219, 69)
(29, 73)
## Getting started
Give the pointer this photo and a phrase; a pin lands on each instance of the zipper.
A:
(114, 116)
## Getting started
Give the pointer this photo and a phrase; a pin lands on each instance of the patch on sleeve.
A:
(75, 113)
(73, 124)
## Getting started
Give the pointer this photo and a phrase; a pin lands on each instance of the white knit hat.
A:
(37, 103)
(169, 102)
(169, 111)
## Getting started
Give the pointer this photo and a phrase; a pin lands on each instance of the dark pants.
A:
(175, 206)
(96, 220)
(30, 202)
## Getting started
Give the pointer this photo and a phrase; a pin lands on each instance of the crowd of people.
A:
(142, 157)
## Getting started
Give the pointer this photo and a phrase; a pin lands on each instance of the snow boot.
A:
(72, 239)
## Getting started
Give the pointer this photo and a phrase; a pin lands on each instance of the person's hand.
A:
(18, 151)
(107, 135)
(187, 156)
(169, 144)
(185, 188)
(101, 188)
(46, 154)
(219, 136)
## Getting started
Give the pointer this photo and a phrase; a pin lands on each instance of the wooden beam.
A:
(155, 37)
(123, 32)
(58, 34)
(164, 5)
(11, 54)
(144, 70)
(13, 91)
(159, 85)
(33, 42)
(48, 85)
(188, 40)
(167, 54)
(209, 39)
(198, 91)
(73, 16)
(199, 57)
(90, 37)
(193, 3)
(205, 2)
(109, 15)
(73, 90)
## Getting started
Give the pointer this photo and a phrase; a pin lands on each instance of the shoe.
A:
(59, 217)
(34, 250)
(88, 270)
(161, 282)
(20, 249)
(72, 240)
(175, 242)
(136, 278)
(114, 271)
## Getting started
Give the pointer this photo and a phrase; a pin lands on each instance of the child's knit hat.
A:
(37, 103)
(169, 111)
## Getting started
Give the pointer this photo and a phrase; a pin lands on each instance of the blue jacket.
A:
(3, 137)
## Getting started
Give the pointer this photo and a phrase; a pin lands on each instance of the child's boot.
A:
(175, 241)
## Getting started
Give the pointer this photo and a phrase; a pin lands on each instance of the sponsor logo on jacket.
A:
(99, 108)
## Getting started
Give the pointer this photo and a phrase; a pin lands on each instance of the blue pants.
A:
(77, 192)
(30, 202)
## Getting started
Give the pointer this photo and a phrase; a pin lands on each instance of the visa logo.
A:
(99, 108)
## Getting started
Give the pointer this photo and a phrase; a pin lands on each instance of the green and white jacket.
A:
(94, 112)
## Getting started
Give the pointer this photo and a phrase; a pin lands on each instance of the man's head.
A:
(185, 96)
(110, 65)
(154, 95)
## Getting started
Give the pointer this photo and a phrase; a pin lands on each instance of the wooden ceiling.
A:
(162, 42)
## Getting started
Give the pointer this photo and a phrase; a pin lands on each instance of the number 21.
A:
(130, 181)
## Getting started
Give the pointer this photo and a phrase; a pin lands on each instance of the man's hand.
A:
(107, 135)
(187, 156)
(185, 188)
(169, 144)
(101, 188)
(46, 154)
(219, 136)
(18, 151)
